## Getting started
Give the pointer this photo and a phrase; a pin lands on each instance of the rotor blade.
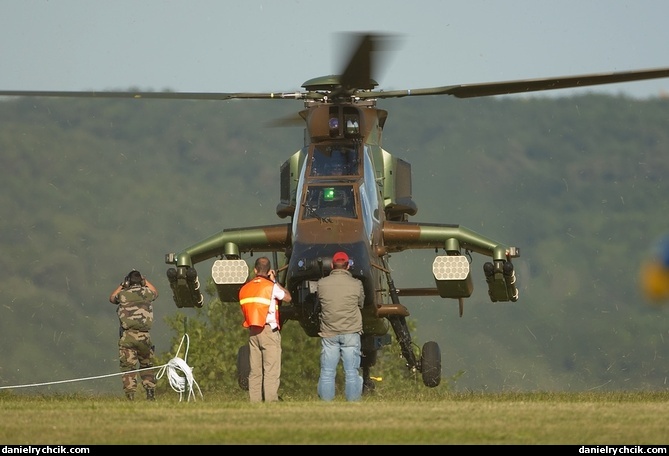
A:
(290, 121)
(358, 71)
(111, 94)
(525, 85)
(153, 95)
(361, 67)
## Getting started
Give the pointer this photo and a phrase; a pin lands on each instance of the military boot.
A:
(130, 396)
(150, 394)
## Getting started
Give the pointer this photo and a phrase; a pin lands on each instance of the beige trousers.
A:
(265, 363)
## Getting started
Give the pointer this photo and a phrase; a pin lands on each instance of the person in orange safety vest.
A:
(259, 299)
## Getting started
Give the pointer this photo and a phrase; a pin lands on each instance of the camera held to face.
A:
(133, 278)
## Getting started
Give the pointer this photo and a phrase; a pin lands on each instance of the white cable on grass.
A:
(177, 382)
(61, 381)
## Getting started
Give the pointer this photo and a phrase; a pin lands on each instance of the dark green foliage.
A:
(215, 334)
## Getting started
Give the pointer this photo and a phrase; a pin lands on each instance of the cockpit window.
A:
(335, 201)
(334, 161)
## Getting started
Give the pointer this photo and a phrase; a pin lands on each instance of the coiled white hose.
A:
(180, 383)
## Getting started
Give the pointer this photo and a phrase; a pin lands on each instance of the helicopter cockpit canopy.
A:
(334, 160)
(329, 201)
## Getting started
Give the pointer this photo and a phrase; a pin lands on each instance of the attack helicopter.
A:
(654, 273)
(343, 191)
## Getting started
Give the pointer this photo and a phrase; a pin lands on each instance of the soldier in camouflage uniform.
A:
(134, 297)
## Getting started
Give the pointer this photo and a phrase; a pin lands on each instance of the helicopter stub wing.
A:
(399, 236)
(451, 271)
(229, 243)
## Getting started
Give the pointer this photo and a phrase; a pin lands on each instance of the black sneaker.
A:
(130, 396)
(150, 394)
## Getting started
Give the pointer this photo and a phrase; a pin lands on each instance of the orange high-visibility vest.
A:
(255, 297)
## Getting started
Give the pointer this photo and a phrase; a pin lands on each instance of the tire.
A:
(430, 364)
(243, 367)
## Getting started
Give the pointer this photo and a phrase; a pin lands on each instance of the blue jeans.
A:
(348, 347)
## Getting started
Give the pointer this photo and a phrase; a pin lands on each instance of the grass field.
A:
(432, 418)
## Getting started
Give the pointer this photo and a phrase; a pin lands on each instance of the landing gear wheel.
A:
(243, 367)
(430, 364)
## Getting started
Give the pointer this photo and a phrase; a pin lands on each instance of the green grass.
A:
(430, 417)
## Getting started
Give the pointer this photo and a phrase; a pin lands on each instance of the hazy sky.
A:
(259, 46)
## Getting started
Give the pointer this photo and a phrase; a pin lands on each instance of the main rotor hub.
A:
(330, 87)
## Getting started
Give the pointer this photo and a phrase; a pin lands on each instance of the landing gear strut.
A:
(430, 359)
(366, 362)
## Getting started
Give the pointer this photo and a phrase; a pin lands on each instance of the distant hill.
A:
(94, 188)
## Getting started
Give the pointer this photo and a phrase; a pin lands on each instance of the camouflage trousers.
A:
(135, 347)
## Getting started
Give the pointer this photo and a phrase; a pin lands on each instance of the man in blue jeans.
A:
(341, 296)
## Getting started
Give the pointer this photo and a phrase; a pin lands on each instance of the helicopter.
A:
(343, 191)
(654, 273)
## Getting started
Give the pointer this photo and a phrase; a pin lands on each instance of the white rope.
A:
(177, 382)
(67, 381)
